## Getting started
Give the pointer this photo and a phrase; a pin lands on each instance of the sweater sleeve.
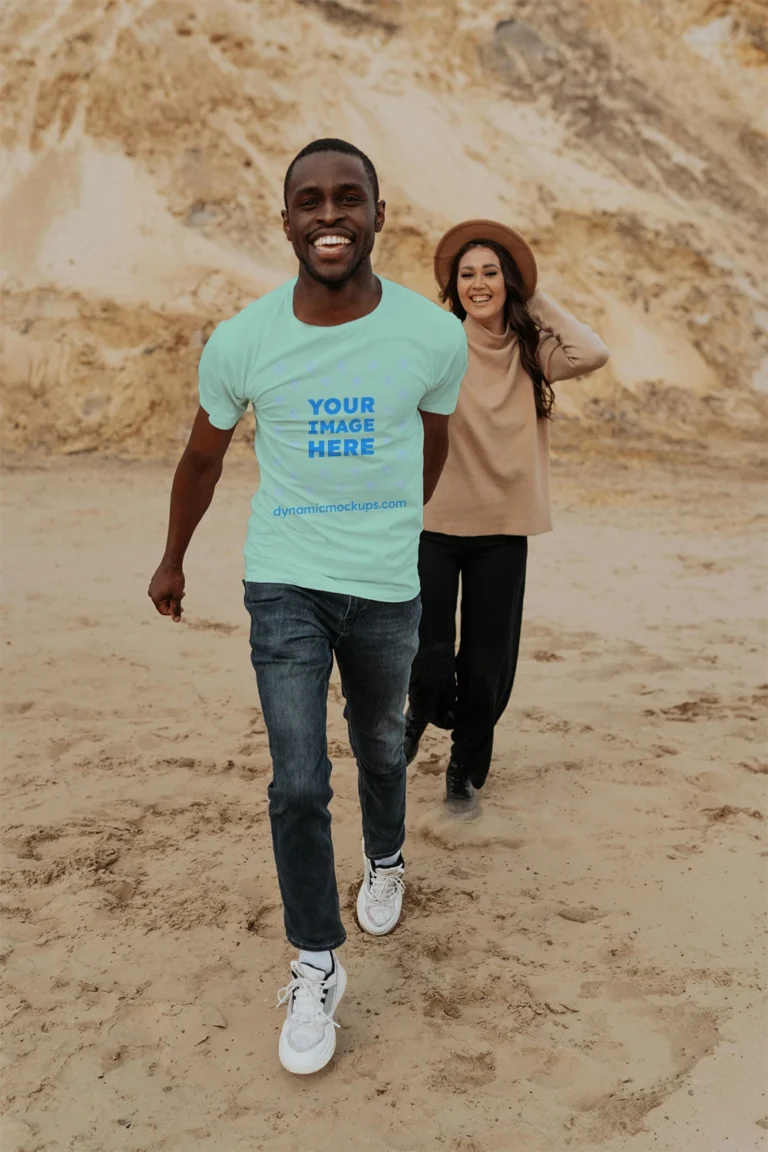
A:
(567, 347)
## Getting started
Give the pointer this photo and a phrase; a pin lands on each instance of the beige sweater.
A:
(496, 479)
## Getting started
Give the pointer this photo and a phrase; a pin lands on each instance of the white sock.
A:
(387, 861)
(321, 960)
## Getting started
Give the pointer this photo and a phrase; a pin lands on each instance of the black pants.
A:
(468, 691)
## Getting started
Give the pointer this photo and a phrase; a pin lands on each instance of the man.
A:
(352, 379)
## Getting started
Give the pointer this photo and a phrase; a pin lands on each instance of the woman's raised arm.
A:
(567, 347)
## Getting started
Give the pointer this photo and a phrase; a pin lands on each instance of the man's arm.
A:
(435, 450)
(196, 477)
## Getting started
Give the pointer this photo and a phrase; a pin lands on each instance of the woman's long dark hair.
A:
(517, 316)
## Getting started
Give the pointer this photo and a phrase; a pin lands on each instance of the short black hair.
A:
(330, 144)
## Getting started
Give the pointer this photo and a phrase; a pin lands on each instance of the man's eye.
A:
(351, 200)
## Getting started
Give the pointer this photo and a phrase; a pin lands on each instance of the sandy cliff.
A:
(145, 145)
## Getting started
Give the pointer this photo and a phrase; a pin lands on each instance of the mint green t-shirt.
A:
(339, 438)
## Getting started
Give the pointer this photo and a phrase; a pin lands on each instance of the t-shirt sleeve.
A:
(219, 388)
(451, 368)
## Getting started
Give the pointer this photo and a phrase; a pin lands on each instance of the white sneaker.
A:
(380, 899)
(308, 1038)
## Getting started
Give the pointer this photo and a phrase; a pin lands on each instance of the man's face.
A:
(331, 218)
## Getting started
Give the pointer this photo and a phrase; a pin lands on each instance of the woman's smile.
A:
(481, 287)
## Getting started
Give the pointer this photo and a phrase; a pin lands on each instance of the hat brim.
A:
(456, 237)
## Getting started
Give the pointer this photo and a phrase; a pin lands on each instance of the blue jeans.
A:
(295, 633)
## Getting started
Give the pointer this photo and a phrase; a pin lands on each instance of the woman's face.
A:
(481, 287)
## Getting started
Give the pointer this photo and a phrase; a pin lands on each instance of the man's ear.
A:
(286, 225)
(381, 208)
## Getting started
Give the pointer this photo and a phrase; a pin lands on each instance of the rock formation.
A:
(145, 145)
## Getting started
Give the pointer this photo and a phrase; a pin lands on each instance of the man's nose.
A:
(330, 211)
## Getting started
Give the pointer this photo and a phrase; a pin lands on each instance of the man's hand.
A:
(166, 591)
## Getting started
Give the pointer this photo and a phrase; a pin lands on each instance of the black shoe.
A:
(460, 794)
(414, 730)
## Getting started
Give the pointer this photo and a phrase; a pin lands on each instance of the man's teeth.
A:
(331, 241)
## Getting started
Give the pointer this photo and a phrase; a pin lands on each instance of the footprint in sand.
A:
(581, 915)
(463, 1071)
(683, 851)
(436, 1003)
(561, 1069)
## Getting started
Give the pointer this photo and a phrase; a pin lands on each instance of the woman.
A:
(493, 494)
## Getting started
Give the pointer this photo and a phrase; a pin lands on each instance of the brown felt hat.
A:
(456, 237)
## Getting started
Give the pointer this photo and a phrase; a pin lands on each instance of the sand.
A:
(582, 967)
